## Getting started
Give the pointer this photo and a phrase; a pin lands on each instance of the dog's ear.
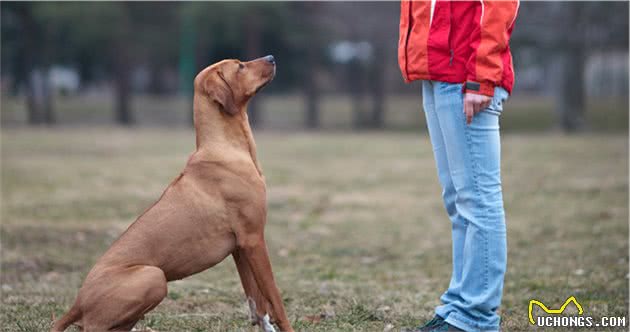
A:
(220, 91)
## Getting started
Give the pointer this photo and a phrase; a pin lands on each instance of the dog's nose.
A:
(270, 59)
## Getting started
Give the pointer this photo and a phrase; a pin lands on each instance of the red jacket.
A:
(457, 42)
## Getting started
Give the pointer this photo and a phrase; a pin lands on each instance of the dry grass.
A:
(356, 229)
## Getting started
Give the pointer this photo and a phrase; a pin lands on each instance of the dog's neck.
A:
(215, 130)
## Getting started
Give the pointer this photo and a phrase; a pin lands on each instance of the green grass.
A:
(356, 229)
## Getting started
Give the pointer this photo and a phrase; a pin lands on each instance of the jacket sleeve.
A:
(489, 40)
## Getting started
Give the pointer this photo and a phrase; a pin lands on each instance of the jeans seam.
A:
(486, 244)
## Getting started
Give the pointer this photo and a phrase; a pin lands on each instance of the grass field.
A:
(357, 232)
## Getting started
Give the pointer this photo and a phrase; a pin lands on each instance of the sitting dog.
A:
(214, 208)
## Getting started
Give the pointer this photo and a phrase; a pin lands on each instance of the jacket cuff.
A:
(479, 88)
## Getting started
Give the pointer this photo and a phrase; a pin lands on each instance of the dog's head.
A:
(231, 83)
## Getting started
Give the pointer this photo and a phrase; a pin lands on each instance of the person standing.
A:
(460, 51)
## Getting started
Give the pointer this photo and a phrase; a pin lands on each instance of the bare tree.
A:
(253, 49)
(122, 85)
(311, 90)
(123, 68)
(566, 33)
(32, 67)
(377, 24)
(377, 87)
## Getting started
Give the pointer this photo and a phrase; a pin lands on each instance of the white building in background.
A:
(64, 80)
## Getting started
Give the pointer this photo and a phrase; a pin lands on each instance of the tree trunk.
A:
(311, 89)
(122, 83)
(39, 98)
(312, 101)
(26, 65)
(356, 83)
(377, 87)
(187, 60)
(47, 102)
(253, 41)
(571, 91)
(35, 97)
(122, 73)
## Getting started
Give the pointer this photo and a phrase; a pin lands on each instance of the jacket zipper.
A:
(450, 34)
(409, 24)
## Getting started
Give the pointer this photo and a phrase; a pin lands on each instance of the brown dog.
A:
(214, 208)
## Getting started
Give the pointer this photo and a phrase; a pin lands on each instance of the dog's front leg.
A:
(259, 306)
(254, 250)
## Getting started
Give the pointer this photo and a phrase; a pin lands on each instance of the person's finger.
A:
(468, 110)
(476, 106)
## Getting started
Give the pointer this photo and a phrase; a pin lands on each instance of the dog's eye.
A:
(241, 66)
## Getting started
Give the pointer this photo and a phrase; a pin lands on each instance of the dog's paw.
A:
(265, 324)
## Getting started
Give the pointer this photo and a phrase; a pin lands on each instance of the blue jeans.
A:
(468, 159)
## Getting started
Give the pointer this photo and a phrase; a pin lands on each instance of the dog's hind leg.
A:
(127, 296)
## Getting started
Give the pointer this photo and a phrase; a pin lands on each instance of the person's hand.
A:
(473, 104)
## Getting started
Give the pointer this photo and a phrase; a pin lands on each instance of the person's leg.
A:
(458, 224)
(473, 155)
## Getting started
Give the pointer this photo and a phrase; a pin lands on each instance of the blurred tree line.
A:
(114, 37)
(564, 35)
(109, 40)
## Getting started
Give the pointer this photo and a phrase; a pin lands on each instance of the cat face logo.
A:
(553, 311)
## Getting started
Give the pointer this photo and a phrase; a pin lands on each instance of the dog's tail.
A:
(66, 320)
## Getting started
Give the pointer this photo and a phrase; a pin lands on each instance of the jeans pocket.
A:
(496, 106)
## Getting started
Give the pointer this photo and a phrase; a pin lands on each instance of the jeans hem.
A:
(467, 325)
